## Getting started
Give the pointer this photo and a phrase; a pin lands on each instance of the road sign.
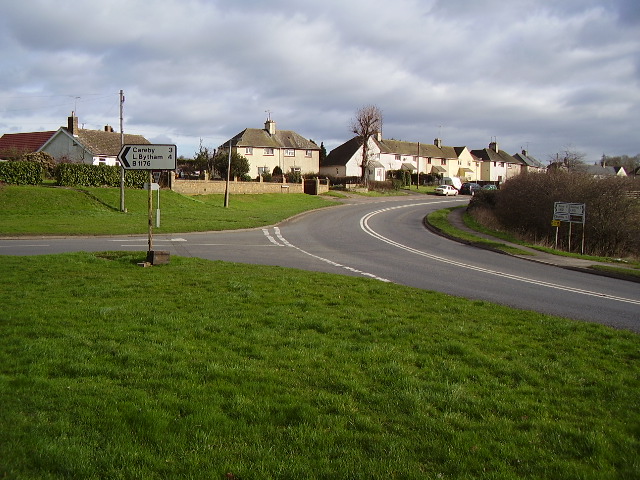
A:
(148, 157)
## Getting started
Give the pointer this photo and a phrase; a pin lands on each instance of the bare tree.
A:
(366, 123)
(567, 158)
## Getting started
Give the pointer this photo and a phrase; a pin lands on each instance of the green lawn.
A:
(200, 369)
(95, 211)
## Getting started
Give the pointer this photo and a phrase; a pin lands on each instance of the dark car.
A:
(469, 188)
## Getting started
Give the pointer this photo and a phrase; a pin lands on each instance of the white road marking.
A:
(364, 225)
(326, 260)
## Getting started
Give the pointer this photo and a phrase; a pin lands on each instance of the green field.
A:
(96, 211)
(200, 369)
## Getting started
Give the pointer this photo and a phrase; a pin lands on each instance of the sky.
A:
(547, 76)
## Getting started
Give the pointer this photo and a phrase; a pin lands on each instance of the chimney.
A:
(108, 128)
(379, 136)
(524, 152)
(72, 124)
(494, 146)
(438, 142)
(270, 127)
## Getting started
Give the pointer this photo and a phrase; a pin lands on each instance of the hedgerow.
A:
(524, 205)
(78, 174)
(21, 173)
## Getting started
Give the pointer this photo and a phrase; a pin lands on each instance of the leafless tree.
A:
(366, 123)
(567, 158)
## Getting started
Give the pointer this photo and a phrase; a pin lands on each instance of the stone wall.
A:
(210, 187)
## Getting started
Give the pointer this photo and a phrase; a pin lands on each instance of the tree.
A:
(630, 164)
(239, 164)
(366, 123)
(323, 153)
(202, 159)
(567, 158)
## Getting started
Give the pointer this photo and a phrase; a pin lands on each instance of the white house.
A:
(79, 145)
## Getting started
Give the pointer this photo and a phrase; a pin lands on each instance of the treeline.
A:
(524, 206)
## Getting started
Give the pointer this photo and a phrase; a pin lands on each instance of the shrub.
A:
(79, 174)
(43, 158)
(21, 173)
(524, 205)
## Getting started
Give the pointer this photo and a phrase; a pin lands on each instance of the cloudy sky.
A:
(545, 75)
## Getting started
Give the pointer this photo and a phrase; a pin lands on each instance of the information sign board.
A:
(148, 157)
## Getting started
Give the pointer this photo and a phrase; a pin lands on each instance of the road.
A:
(385, 239)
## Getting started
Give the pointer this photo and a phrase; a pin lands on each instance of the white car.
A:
(446, 190)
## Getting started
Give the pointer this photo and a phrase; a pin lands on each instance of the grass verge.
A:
(200, 369)
(439, 220)
(95, 211)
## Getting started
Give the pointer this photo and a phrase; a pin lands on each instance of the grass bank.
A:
(200, 369)
(95, 211)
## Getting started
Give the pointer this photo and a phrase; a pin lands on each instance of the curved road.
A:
(386, 240)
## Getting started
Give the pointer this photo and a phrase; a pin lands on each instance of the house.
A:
(600, 171)
(388, 155)
(14, 145)
(497, 165)
(528, 163)
(95, 147)
(268, 148)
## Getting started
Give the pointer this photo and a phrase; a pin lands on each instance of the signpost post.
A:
(571, 213)
(150, 157)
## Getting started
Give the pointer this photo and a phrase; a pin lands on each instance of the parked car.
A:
(489, 187)
(446, 190)
(469, 188)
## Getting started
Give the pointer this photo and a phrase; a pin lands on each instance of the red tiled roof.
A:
(11, 143)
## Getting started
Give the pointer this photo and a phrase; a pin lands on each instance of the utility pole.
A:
(122, 207)
(226, 189)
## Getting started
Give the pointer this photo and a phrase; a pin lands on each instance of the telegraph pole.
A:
(226, 189)
(122, 208)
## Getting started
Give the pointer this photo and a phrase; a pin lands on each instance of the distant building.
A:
(268, 148)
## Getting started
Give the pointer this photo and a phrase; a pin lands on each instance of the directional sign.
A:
(148, 157)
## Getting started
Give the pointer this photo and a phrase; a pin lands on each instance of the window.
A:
(397, 158)
(443, 162)
(308, 153)
(289, 152)
(428, 161)
(268, 151)
(263, 170)
(248, 150)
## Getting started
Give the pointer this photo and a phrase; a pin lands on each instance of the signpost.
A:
(154, 158)
(571, 213)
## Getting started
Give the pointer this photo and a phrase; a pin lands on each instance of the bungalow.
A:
(600, 171)
(79, 145)
(14, 145)
(268, 148)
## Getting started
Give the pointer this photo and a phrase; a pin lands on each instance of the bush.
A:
(524, 205)
(47, 162)
(79, 174)
(21, 173)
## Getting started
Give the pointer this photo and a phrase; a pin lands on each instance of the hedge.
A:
(78, 174)
(21, 173)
